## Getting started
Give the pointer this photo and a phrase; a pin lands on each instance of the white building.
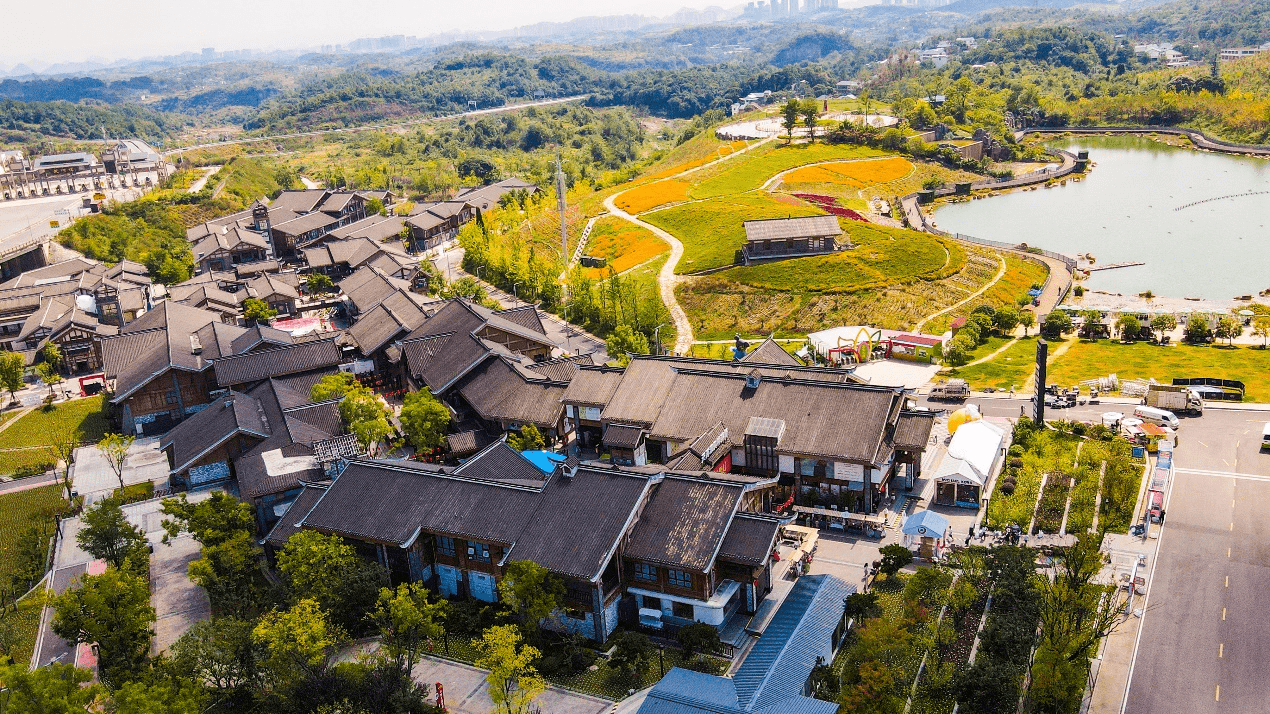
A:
(974, 455)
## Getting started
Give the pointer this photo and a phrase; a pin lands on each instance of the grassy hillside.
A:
(712, 230)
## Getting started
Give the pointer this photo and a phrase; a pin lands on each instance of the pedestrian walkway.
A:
(467, 692)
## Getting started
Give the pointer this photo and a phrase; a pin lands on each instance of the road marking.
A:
(1222, 474)
(1232, 525)
(1227, 551)
(1221, 650)
(1223, 614)
(1217, 697)
(1232, 503)
(1227, 581)
(1225, 462)
(1203, 444)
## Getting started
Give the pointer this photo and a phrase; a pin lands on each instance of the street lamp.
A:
(657, 337)
(514, 293)
(661, 657)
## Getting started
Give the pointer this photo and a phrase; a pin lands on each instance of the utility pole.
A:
(560, 191)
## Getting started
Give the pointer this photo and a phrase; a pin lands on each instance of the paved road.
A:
(1205, 640)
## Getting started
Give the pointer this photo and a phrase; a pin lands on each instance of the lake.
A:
(1134, 206)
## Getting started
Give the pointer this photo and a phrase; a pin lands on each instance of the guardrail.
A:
(1198, 138)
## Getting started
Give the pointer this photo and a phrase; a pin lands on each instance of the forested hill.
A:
(492, 80)
(22, 121)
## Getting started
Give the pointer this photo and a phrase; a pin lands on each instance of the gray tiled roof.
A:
(289, 525)
(498, 392)
(525, 316)
(560, 370)
(233, 414)
(749, 539)
(684, 522)
(769, 352)
(439, 360)
(623, 436)
(255, 366)
(912, 431)
(593, 385)
(500, 462)
(786, 228)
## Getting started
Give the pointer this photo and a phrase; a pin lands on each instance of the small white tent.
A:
(973, 455)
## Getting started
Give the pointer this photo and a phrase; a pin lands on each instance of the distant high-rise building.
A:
(209, 53)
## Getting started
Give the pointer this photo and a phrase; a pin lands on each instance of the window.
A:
(445, 546)
(680, 578)
(682, 610)
(480, 552)
(651, 603)
(645, 572)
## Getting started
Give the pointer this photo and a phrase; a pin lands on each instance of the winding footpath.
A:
(666, 278)
(1000, 274)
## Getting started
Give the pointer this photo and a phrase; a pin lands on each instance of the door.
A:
(481, 586)
(448, 580)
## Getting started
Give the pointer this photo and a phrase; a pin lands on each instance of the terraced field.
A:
(624, 245)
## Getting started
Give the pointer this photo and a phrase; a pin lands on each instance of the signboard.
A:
(848, 472)
(53, 224)
(1042, 351)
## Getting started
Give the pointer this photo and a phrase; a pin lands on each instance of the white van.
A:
(1265, 436)
(1160, 417)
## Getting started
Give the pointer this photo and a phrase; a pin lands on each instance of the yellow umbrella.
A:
(964, 415)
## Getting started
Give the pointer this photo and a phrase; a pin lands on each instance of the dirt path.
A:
(199, 184)
(666, 278)
(1000, 274)
(1029, 386)
(992, 356)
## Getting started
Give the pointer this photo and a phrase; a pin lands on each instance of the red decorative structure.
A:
(829, 205)
(440, 697)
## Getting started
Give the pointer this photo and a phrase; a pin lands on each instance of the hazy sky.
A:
(52, 31)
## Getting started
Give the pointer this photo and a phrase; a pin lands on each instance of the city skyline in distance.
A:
(134, 29)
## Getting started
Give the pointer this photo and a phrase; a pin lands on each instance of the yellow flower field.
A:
(858, 174)
(624, 245)
(642, 198)
(719, 153)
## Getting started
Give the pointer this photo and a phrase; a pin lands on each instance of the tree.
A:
(1261, 328)
(161, 697)
(112, 611)
(107, 534)
(1163, 323)
(624, 342)
(1197, 330)
(333, 386)
(860, 606)
(1091, 324)
(213, 520)
(957, 351)
(531, 593)
(114, 447)
(1056, 324)
(318, 284)
(228, 570)
(894, 557)
(324, 569)
(12, 367)
(424, 419)
(1026, 318)
(64, 443)
(1128, 327)
(466, 287)
(218, 652)
(49, 374)
(257, 310)
(1228, 328)
(296, 642)
(873, 679)
(810, 112)
(514, 684)
(981, 323)
(363, 413)
(528, 439)
(1005, 319)
(55, 689)
(432, 277)
(52, 354)
(632, 653)
(405, 619)
(375, 207)
(789, 118)
(698, 637)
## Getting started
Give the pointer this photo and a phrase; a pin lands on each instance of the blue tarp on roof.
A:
(926, 524)
(545, 460)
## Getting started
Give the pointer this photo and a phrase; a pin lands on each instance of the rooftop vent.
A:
(196, 347)
(752, 379)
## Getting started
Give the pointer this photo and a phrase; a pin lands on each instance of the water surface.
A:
(1124, 210)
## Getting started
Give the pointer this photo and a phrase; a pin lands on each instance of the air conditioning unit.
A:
(471, 551)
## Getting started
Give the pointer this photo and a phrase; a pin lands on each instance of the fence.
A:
(1197, 138)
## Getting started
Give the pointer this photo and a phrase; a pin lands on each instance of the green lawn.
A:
(1087, 360)
(754, 169)
(36, 427)
(19, 511)
(882, 256)
(1010, 368)
(713, 231)
(720, 350)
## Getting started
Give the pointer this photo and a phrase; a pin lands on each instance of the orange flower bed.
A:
(722, 151)
(623, 245)
(858, 174)
(642, 198)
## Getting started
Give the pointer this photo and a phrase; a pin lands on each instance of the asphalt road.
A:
(1204, 645)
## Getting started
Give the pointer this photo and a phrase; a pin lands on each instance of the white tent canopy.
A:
(972, 454)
